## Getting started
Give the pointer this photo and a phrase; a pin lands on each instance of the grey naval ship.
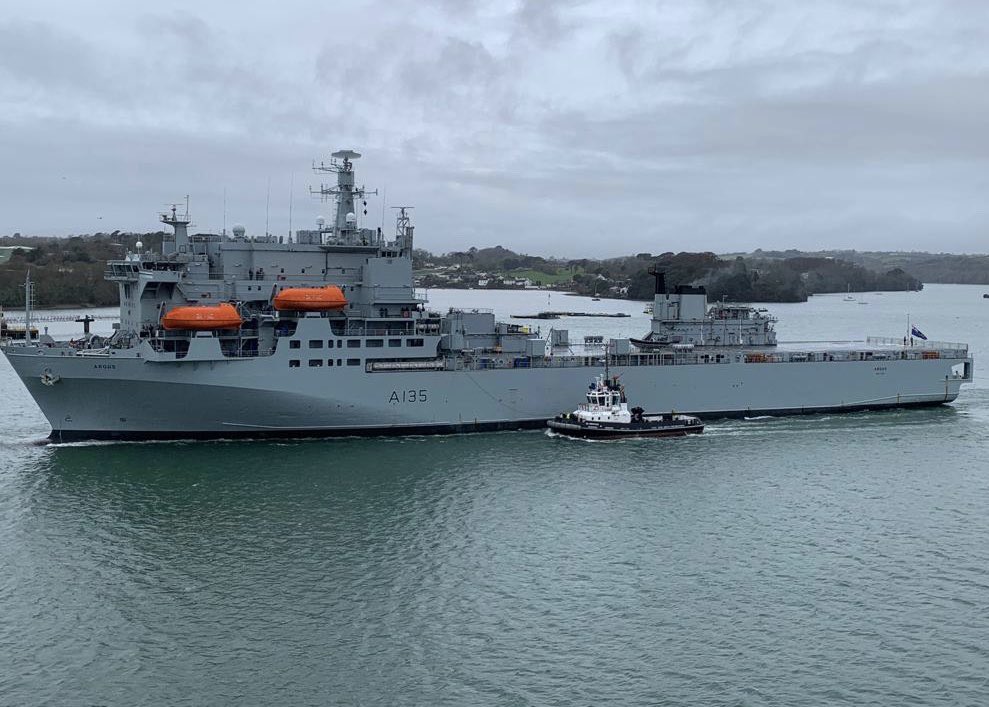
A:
(234, 336)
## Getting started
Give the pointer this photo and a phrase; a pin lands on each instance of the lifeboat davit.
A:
(310, 299)
(202, 317)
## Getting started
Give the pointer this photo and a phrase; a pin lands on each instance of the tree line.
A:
(69, 271)
(66, 271)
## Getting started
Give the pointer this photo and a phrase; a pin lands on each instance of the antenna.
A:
(224, 211)
(384, 201)
(28, 302)
(291, 194)
(267, 206)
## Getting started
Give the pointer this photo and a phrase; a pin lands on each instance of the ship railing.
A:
(385, 331)
(915, 343)
(472, 310)
(498, 360)
(314, 279)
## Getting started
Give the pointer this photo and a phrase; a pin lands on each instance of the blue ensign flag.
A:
(914, 331)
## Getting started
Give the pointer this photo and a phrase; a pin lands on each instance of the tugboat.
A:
(606, 415)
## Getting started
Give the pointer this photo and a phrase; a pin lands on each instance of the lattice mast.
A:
(403, 229)
(344, 193)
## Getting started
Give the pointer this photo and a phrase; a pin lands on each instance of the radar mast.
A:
(403, 229)
(177, 242)
(344, 193)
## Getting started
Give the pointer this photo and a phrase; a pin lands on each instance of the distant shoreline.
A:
(568, 293)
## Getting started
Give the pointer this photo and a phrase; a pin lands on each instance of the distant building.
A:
(8, 250)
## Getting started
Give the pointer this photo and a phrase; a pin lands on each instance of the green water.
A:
(800, 561)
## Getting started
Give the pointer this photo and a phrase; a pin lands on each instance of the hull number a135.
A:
(409, 396)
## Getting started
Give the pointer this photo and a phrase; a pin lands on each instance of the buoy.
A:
(310, 299)
(202, 317)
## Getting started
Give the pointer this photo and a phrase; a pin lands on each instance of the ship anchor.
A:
(49, 378)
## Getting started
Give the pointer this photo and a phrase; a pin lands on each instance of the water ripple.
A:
(799, 561)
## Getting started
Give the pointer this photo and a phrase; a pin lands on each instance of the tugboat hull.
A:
(648, 428)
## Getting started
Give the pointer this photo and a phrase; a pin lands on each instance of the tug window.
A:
(329, 344)
(353, 362)
(416, 342)
(316, 344)
(315, 362)
(353, 343)
(375, 343)
(294, 363)
(394, 343)
(294, 344)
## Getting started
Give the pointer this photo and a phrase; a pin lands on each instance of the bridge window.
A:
(416, 342)
(294, 344)
(353, 343)
(315, 362)
(394, 343)
(315, 343)
(375, 343)
(294, 363)
(353, 362)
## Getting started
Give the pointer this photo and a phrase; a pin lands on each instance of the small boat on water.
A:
(606, 415)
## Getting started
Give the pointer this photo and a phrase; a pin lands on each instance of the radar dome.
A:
(239, 230)
(138, 246)
(351, 217)
(320, 220)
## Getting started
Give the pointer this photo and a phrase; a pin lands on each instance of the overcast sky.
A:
(554, 128)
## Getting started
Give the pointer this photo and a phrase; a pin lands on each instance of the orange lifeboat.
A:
(310, 299)
(202, 317)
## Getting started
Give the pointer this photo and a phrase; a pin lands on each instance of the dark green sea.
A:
(816, 560)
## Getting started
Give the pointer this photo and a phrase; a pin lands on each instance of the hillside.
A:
(945, 268)
(69, 271)
(65, 271)
(754, 279)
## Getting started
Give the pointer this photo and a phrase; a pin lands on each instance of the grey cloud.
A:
(575, 128)
(49, 59)
(543, 20)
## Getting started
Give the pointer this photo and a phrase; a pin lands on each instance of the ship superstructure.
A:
(223, 336)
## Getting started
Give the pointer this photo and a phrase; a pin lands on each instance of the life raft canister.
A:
(310, 299)
(202, 317)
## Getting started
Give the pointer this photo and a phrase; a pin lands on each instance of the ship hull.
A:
(79, 435)
(133, 398)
